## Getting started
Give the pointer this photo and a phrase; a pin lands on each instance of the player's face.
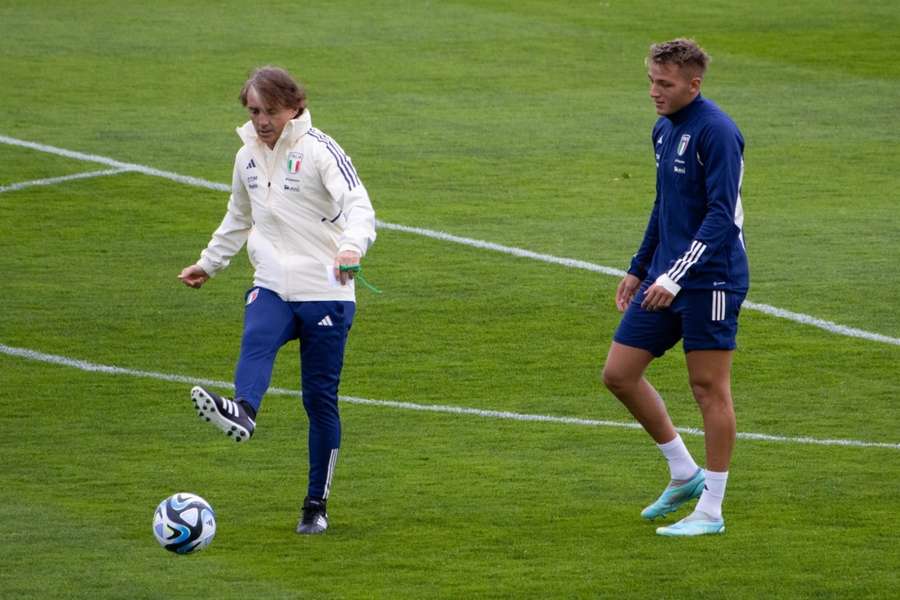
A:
(671, 87)
(269, 121)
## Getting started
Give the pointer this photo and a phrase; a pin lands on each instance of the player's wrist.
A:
(348, 247)
(666, 282)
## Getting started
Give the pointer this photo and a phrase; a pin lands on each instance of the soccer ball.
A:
(184, 523)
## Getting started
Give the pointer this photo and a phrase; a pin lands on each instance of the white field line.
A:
(84, 365)
(773, 311)
(115, 163)
(54, 180)
(519, 252)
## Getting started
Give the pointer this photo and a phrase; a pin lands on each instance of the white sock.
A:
(681, 463)
(710, 501)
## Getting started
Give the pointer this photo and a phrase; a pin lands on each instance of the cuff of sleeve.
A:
(666, 282)
(351, 247)
(207, 266)
(637, 269)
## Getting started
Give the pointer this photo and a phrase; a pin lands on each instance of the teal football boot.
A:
(696, 523)
(675, 495)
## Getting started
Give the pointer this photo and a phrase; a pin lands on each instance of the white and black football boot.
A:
(315, 518)
(228, 415)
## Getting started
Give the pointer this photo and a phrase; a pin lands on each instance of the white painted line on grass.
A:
(773, 311)
(831, 326)
(54, 180)
(185, 179)
(572, 263)
(84, 365)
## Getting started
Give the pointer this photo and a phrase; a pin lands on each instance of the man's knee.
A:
(711, 393)
(617, 379)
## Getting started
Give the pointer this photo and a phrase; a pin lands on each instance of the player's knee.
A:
(711, 394)
(616, 380)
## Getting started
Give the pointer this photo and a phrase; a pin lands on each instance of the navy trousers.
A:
(322, 328)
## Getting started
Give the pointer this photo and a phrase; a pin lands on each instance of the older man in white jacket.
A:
(298, 203)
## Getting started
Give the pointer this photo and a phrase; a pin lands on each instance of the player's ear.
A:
(695, 84)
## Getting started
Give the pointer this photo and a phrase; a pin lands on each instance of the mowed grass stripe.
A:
(774, 311)
(84, 365)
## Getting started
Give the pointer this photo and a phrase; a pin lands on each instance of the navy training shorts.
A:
(704, 319)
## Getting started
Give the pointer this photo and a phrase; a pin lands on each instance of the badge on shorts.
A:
(683, 144)
(294, 160)
(252, 295)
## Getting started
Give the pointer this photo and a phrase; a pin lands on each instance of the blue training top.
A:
(695, 231)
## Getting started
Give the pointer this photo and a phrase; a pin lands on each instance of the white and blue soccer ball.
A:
(184, 523)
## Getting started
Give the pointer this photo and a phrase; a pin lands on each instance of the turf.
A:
(525, 124)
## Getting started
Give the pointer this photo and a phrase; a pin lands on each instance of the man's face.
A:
(269, 121)
(671, 87)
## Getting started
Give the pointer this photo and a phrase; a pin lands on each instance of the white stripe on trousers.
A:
(332, 460)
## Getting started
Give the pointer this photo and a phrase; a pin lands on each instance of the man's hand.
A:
(193, 276)
(626, 290)
(657, 297)
(347, 258)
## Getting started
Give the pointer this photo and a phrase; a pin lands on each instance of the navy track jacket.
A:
(694, 239)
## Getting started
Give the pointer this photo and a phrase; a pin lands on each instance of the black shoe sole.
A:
(209, 411)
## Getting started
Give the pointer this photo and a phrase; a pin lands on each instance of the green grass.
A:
(525, 124)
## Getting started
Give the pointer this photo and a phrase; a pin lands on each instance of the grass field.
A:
(524, 124)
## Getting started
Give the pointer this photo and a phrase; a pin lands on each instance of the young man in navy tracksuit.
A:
(687, 281)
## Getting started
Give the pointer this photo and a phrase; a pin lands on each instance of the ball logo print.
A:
(184, 523)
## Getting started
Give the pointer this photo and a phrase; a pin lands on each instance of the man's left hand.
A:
(657, 298)
(347, 258)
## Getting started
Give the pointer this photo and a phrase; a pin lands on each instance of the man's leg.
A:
(710, 325)
(710, 376)
(322, 341)
(269, 324)
(623, 374)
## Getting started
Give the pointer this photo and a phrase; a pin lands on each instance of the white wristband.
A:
(665, 281)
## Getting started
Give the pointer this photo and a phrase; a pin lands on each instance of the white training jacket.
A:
(296, 206)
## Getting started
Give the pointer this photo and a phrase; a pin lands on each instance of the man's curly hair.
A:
(682, 52)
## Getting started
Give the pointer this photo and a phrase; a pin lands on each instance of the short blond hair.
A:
(682, 52)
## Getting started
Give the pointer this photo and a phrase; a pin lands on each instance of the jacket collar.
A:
(685, 113)
(293, 130)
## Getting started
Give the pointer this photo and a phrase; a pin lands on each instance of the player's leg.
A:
(710, 329)
(623, 375)
(710, 376)
(268, 324)
(322, 341)
(642, 336)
